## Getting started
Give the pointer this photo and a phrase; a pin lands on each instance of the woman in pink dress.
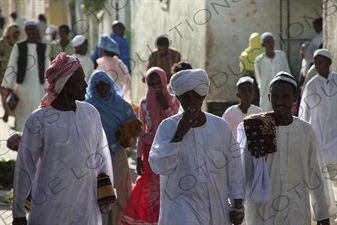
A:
(157, 105)
(110, 63)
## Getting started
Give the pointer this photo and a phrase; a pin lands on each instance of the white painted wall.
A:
(30, 9)
(229, 28)
(94, 23)
(209, 34)
(330, 30)
(149, 21)
(302, 14)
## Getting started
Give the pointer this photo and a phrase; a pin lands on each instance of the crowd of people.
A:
(271, 159)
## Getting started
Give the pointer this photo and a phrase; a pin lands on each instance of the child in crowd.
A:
(235, 114)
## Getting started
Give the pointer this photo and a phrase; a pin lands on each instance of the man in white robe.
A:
(318, 27)
(266, 66)
(198, 160)
(284, 166)
(29, 60)
(62, 151)
(319, 107)
(80, 44)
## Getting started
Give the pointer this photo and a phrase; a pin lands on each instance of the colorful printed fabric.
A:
(261, 133)
(105, 190)
(129, 131)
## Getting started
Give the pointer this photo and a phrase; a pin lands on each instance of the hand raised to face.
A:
(162, 100)
(188, 120)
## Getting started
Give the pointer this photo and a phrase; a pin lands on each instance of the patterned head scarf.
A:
(9, 31)
(154, 109)
(108, 44)
(57, 75)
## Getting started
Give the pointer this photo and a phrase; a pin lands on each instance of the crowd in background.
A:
(173, 135)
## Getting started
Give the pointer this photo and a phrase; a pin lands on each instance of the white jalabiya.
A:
(87, 65)
(198, 174)
(31, 91)
(265, 70)
(297, 178)
(319, 108)
(317, 40)
(59, 157)
(234, 116)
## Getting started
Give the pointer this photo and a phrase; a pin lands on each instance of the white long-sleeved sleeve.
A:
(234, 171)
(103, 159)
(11, 70)
(257, 68)
(322, 196)
(164, 154)
(28, 156)
(246, 158)
(306, 105)
(126, 82)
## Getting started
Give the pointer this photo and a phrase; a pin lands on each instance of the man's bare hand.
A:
(324, 222)
(19, 221)
(188, 120)
(236, 217)
(140, 166)
(13, 141)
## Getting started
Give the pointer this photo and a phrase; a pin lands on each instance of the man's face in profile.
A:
(317, 28)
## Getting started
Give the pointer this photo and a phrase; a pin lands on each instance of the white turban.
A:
(30, 23)
(188, 80)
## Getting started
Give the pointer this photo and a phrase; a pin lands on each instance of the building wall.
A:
(92, 24)
(5, 6)
(230, 25)
(330, 30)
(56, 11)
(299, 29)
(150, 20)
(29, 9)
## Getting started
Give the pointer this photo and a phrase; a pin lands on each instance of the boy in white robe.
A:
(284, 167)
(266, 66)
(62, 152)
(319, 107)
(198, 160)
(235, 114)
(80, 44)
